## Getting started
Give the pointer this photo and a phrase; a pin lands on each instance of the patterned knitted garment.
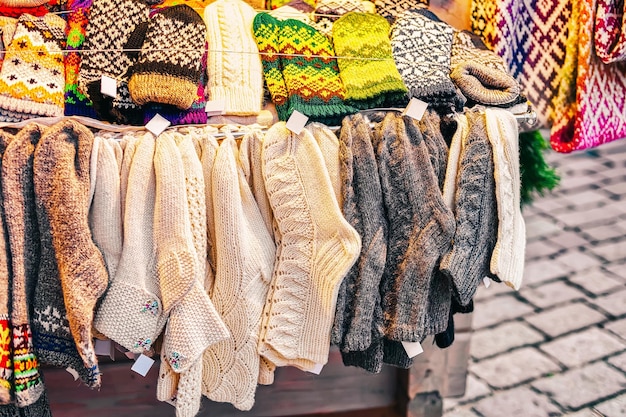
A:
(6, 351)
(76, 103)
(317, 248)
(7, 29)
(585, 116)
(168, 69)
(328, 11)
(610, 31)
(392, 9)
(373, 81)
(32, 75)
(275, 4)
(301, 70)
(21, 220)
(422, 48)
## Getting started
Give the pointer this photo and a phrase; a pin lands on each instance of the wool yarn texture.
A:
(328, 143)
(235, 73)
(17, 11)
(32, 75)
(366, 65)
(168, 69)
(328, 11)
(23, 3)
(7, 29)
(454, 155)
(317, 249)
(610, 31)
(6, 351)
(392, 9)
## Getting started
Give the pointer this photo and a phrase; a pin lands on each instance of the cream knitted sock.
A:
(329, 145)
(317, 248)
(209, 148)
(507, 261)
(454, 156)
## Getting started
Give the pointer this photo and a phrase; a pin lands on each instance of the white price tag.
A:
(171, 402)
(412, 348)
(296, 122)
(72, 372)
(157, 124)
(105, 348)
(415, 109)
(215, 107)
(142, 365)
(487, 282)
(317, 369)
(108, 86)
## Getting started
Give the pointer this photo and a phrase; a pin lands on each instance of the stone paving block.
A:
(582, 347)
(619, 270)
(514, 368)
(517, 402)
(585, 412)
(564, 319)
(587, 197)
(541, 227)
(577, 260)
(568, 240)
(614, 407)
(553, 205)
(541, 249)
(544, 270)
(595, 216)
(596, 280)
(614, 303)
(488, 342)
(550, 294)
(611, 251)
(570, 183)
(581, 386)
(496, 288)
(604, 232)
(474, 388)
(498, 309)
(618, 188)
(461, 412)
(619, 361)
(618, 328)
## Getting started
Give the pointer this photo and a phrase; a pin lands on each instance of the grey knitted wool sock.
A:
(415, 302)
(437, 147)
(370, 359)
(467, 263)
(390, 9)
(395, 355)
(359, 297)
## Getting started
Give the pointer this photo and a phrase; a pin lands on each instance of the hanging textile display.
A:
(610, 31)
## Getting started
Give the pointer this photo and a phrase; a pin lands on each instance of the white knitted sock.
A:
(317, 248)
(329, 145)
(454, 156)
(209, 148)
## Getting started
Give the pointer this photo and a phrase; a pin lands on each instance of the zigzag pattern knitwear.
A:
(476, 213)
(392, 9)
(373, 81)
(32, 76)
(610, 31)
(6, 351)
(421, 46)
(168, 69)
(317, 249)
(507, 260)
(234, 68)
(21, 220)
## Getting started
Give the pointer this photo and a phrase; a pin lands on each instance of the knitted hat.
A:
(391, 9)
(131, 312)
(62, 185)
(169, 65)
(245, 259)
(23, 3)
(415, 302)
(76, 103)
(507, 260)
(467, 262)
(312, 85)
(7, 29)
(328, 11)
(481, 74)
(6, 352)
(275, 4)
(113, 26)
(32, 75)
(234, 67)
(317, 249)
(359, 303)
(288, 11)
(24, 245)
(421, 48)
(17, 11)
(373, 81)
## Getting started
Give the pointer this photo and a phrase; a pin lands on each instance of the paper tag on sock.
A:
(316, 369)
(215, 107)
(171, 401)
(412, 348)
(157, 124)
(415, 109)
(296, 122)
(105, 348)
(487, 282)
(142, 365)
(108, 86)
(72, 372)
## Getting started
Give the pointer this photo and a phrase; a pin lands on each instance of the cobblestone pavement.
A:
(558, 346)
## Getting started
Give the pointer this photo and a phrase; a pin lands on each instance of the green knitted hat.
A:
(373, 81)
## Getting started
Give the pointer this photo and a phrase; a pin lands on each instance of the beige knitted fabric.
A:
(454, 155)
(131, 312)
(245, 257)
(316, 250)
(128, 144)
(234, 66)
(329, 145)
(6, 368)
(507, 260)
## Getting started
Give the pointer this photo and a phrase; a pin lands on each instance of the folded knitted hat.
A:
(32, 76)
(481, 74)
(6, 351)
(169, 65)
(373, 81)
(300, 70)
(421, 46)
(234, 68)
(391, 9)
(113, 26)
(328, 11)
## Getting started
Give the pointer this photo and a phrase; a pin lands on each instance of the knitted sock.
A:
(454, 155)
(394, 354)
(329, 146)
(610, 36)
(32, 75)
(421, 48)
(169, 65)
(437, 148)
(6, 352)
(507, 260)
(76, 103)
(209, 148)
(373, 81)
(418, 233)
(24, 245)
(317, 249)
(467, 262)
(392, 9)
(371, 359)
(61, 177)
(359, 298)
(245, 251)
